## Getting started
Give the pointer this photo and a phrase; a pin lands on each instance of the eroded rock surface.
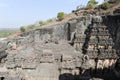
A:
(78, 49)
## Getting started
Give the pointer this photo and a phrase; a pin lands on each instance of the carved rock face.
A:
(3, 45)
(118, 64)
(117, 11)
(43, 59)
(97, 19)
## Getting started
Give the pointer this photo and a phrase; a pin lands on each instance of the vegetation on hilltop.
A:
(90, 7)
(45, 22)
(29, 27)
(105, 5)
(42, 23)
(60, 16)
(22, 29)
(91, 4)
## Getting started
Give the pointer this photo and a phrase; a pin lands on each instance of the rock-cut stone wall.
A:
(113, 25)
(67, 51)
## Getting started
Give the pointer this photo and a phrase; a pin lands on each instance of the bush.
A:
(73, 11)
(91, 4)
(45, 22)
(60, 16)
(42, 23)
(105, 5)
(30, 27)
(22, 29)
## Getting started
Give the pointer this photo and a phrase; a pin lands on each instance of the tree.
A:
(60, 16)
(42, 23)
(22, 29)
(105, 5)
(91, 4)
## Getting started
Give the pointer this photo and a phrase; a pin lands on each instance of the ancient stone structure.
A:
(82, 48)
(99, 46)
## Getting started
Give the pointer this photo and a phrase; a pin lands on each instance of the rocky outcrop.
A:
(46, 61)
(66, 51)
(112, 23)
(3, 47)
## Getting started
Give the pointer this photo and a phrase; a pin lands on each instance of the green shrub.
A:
(105, 5)
(22, 29)
(91, 4)
(60, 16)
(42, 23)
(30, 27)
(73, 11)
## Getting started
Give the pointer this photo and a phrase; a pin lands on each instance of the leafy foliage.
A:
(91, 4)
(22, 29)
(105, 5)
(60, 16)
(30, 27)
(42, 23)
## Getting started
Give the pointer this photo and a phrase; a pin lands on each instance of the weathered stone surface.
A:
(78, 49)
(12, 78)
(97, 19)
(47, 58)
(3, 45)
(96, 79)
(3, 71)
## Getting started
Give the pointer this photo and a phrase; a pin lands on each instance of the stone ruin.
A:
(78, 49)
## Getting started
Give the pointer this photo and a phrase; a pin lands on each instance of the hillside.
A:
(83, 45)
(114, 8)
